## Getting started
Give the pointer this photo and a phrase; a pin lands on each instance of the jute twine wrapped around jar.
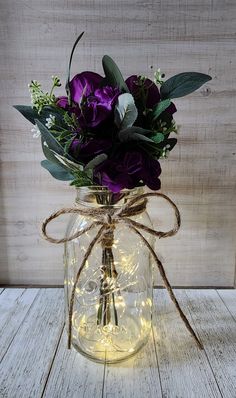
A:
(107, 218)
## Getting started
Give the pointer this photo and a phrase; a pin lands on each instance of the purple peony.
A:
(151, 90)
(91, 103)
(127, 170)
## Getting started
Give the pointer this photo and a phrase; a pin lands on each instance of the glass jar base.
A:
(105, 358)
(110, 343)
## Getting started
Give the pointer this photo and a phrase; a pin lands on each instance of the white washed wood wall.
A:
(36, 37)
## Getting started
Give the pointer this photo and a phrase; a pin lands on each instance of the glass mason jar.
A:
(112, 309)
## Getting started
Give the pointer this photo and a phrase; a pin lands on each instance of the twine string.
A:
(107, 218)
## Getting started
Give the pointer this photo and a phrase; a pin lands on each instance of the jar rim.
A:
(101, 196)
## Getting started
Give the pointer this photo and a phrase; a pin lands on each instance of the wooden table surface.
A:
(36, 363)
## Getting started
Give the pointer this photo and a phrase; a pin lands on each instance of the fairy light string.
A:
(107, 218)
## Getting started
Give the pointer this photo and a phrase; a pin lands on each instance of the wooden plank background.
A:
(36, 39)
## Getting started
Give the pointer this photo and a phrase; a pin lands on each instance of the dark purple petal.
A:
(92, 104)
(84, 84)
(99, 106)
(126, 170)
(150, 173)
(107, 95)
(171, 109)
(62, 102)
(86, 151)
(114, 185)
(95, 113)
(153, 94)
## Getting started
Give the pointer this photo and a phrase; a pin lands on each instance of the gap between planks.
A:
(170, 365)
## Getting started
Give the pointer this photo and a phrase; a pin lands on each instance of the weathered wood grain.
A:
(36, 38)
(184, 369)
(25, 367)
(72, 375)
(217, 331)
(39, 365)
(229, 299)
(14, 306)
(136, 377)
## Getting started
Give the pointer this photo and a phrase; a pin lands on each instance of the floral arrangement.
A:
(108, 131)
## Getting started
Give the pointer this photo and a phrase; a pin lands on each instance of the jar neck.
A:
(96, 196)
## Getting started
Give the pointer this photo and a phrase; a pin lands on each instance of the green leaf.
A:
(133, 134)
(125, 111)
(74, 171)
(82, 179)
(67, 146)
(95, 161)
(51, 141)
(183, 84)
(48, 153)
(56, 171)
(113, 74)
(78, 182)
(171, 142)
(32, 115)
(157, 138)
(67, 163)
(69, 67)
(28, 112)
(160, 107)
(150, 148)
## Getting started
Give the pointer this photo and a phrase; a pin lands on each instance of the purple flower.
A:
(99, 107)
(91, 103)
(151, 91)
(84, 84)
(62, 102)
(127, 170)
(86, 151)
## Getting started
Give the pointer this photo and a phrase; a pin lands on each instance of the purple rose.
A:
(127, 170)
(86, 151)
(151, 91)
(91, 103)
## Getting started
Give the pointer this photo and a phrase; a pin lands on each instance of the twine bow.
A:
(107, 218)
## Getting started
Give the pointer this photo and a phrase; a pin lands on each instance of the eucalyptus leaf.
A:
(132, 134)
(140, 130)
(95, 161)
(69, 164)
(51, 141)
(52, 158)
(160, 107)
(170, 142)
(158, 137)
(28, 112)
(56, 171)
(183, 84)
(32, 115)
(125, 111)
(113, 74)
(48, 153)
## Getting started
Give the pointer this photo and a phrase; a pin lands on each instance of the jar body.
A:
(112, 310)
